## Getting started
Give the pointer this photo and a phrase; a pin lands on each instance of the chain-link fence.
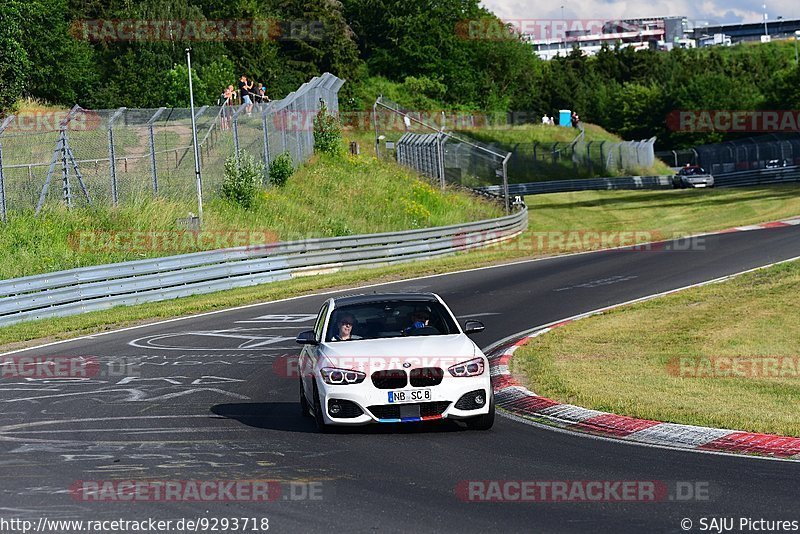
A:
(537, 161)
(113, 157)
(752, 153)
(433, 152)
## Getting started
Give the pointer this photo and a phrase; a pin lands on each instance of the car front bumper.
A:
(376, 408)
(699, 182)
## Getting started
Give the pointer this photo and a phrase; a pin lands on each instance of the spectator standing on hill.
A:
(244, 91)
(262, 94)
(227, 107)
(545, 119)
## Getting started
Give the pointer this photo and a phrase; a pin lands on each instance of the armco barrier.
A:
(98, 288)
(780, 175)
(588, 184)
(734, 179)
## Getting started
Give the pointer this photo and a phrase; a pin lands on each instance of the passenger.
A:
(345, 325)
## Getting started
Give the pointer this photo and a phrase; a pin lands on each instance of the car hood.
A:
(369, 355)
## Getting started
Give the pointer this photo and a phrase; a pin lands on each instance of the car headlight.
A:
(473, 367)
(335, 376)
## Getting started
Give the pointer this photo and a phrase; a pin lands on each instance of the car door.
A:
(310, 353)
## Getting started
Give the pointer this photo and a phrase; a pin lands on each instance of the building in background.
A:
(653, 33)
(753, 31)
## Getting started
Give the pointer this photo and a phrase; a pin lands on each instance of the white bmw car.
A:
(393, 358)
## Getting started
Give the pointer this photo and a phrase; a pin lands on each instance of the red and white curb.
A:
(762, 226)
(515, 399)
(518, 401)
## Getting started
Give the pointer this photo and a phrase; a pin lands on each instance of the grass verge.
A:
(541, 133)
(533, 165)
(668, 212)
(324, 198)
(723, 355)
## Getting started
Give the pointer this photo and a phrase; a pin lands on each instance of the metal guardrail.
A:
(98, 288)
(735, 179)
(781, 175)
(589, 184)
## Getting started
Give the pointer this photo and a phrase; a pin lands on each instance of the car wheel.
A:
(485, 421)
(319, 420)
(304, 406)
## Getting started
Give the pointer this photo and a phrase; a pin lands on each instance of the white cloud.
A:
(722, 11)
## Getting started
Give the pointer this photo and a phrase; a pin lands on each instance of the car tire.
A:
(485, 421)
(305, 408)
(319, 419)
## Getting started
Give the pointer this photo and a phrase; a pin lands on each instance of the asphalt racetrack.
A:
(213, 398)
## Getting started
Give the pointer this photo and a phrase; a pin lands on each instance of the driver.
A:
(345, 325)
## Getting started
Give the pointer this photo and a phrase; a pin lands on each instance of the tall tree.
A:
(65, 70)
(13, 59)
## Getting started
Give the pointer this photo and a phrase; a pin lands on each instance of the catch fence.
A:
(114, 157)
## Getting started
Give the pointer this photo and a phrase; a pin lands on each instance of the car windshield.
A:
(376, 320)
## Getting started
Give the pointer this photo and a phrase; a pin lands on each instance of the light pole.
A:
(796, 37)
(766, 32)
(194, 143)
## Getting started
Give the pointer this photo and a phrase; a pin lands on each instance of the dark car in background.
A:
(692, 176)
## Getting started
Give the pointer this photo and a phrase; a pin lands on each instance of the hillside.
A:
(325, 197)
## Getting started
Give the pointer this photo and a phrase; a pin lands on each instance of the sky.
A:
(713, 11)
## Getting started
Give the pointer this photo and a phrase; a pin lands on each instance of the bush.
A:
(281, 169)
(241, 183)
(327, 132)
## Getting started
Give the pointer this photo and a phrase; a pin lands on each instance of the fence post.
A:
(589, 157)
(112, 155)
(602, 158)
(440, 159)
(3, 127)
(152, 140)
(283, 130)
(264, 126)
(375, 124)
(235, 122)
(505, 182)
(67, 193)
(297, 134)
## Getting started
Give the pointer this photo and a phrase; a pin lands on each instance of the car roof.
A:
(383, 297)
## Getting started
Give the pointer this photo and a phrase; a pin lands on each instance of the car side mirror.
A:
(473, 327)
(307, 338)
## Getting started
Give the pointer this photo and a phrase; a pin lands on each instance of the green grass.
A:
(628, 361)
(668, 212)
(529, 165)
(538, 133)
(664, 212)
(327, 197)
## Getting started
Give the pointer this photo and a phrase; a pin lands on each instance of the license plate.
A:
(409, 395)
